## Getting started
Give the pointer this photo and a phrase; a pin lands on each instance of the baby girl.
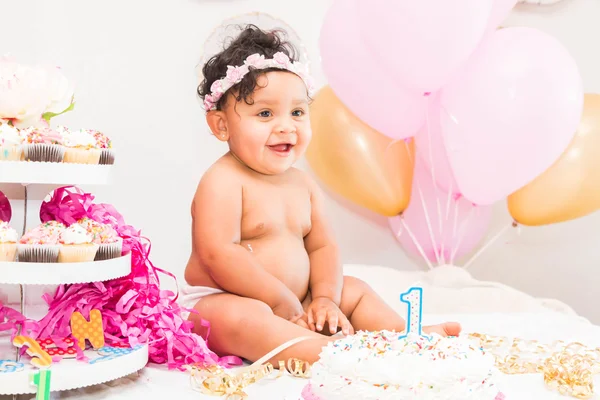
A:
(265, 267)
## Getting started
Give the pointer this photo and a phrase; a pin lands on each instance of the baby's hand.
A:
(323, 310)
(289, 308)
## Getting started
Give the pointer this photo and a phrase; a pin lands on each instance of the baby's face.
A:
(271, 134)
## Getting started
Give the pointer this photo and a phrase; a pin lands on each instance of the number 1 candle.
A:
(414, 300)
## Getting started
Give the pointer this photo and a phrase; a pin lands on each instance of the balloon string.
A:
(416, 242)
(488, 244)
(433, 181)
(448, 201)
(424, 205)
(462, 230)
(446, 222)
(455, 219)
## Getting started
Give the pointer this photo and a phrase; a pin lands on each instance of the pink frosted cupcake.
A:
(76, 245)
(8, 242)
(110, 245)
(103, 142)
(40, 244)
(11, 143)
(80, 147)
(43, 144)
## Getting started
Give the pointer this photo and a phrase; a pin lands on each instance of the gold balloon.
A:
(356, 161)
(570, 188)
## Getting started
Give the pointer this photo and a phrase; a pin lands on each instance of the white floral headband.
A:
(257, 61)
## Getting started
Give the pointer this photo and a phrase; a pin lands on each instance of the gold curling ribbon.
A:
(295, 367)
(217, 381)
(567, 368)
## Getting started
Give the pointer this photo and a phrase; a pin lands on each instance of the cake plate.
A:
(68, 373)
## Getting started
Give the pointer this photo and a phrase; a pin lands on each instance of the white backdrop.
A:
(134, 65)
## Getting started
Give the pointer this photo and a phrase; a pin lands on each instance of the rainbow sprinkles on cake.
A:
(387, 365)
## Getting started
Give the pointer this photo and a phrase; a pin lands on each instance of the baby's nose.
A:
(285, 126)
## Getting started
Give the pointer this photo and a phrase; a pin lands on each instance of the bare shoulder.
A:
(222, 179)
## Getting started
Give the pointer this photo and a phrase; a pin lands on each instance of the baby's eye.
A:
(265, 114)
(298, 113)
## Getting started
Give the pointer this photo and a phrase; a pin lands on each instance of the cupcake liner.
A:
(43, 152)
(10, 153)
(74, 155)
(43, 253)
(8, 251)
(107, 251)
(77, 253)
(107, 157)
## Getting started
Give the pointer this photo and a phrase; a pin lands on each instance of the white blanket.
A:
(449, 295)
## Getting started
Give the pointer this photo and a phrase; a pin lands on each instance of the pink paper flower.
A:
(255, 60)
(217, 87)
(281, 58)
(209, 102)
(235, 74)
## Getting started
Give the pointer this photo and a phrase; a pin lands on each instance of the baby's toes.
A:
(452, 328)
(445, 329)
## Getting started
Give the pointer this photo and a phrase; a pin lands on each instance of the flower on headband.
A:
(255, 60)
(209, 102)
(282, 58)
(217, 87)
(235, 74)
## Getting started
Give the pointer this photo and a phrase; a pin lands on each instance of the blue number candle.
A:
(414, 301)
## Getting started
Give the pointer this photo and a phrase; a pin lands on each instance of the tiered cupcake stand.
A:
(68, 373)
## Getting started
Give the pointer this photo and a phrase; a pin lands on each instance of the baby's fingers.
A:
(347, 328)
(311, 320)
(333, 322)
(321, 316)
(302, 323)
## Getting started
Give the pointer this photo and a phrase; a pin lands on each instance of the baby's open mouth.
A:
(282, 148)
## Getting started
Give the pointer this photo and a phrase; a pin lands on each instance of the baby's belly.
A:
(285, 258)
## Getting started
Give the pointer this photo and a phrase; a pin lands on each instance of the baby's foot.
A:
(445, 329)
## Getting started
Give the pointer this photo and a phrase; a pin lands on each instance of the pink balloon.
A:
(432, 152)
(458, 225)
(423, 42)
(359, 81)
(511, 114)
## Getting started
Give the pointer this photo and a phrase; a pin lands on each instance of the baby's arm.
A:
(326, 275)
(217, 212)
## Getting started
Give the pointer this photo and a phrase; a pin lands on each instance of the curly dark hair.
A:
(251, 40)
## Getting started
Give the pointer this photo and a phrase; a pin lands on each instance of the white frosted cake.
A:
(385, 366)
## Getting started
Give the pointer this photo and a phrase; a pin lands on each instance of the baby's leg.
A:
(248, 328)
(367, 311)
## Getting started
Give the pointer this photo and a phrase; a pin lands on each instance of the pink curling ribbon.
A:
(5, 208)
(134, 308)
(12, 320)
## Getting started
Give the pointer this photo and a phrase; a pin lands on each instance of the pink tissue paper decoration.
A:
(134, 309)
(5, 208)
(13, 320)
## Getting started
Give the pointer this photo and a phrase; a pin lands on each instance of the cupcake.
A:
(81, 147)
(76, 245)
(8, 242)
(11, 143)
(104, 143)
(40, 244)
(110, 245)
(43, 144)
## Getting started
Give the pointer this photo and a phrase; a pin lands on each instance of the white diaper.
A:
(190, 295)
